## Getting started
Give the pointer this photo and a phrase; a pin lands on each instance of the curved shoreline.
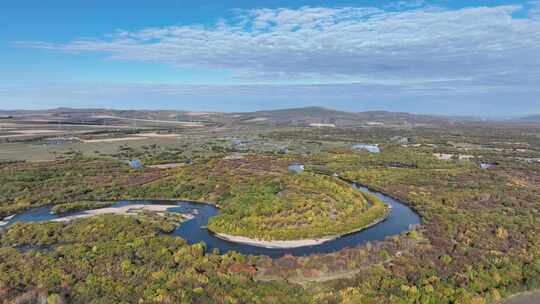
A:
(398, 218)
(403, 201)
(125, 210)
(284, 244)
(131, 209)
(271, 244)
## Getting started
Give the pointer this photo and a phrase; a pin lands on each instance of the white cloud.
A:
(484, 46)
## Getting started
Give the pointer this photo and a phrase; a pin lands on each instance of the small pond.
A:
(366, 147)
(296, 168)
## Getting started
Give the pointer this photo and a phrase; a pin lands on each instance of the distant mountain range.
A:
(309, 116)
(318, 116)
(531, 118)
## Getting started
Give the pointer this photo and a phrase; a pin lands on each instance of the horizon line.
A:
(507, 117)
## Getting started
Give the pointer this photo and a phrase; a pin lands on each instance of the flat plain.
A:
(475, 185)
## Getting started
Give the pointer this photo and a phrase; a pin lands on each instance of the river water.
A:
(194, 230)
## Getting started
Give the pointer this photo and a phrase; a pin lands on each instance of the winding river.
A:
(194, 230)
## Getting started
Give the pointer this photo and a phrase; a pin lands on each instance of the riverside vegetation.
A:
(260, 199)
(478, 243)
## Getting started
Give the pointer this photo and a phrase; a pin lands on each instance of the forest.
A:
(479, 240)
(260, 199)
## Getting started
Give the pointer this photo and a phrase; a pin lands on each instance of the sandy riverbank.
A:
(279, 244)
(273, 244)
(129, 210)
(6, 220)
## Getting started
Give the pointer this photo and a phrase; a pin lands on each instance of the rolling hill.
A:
(308, 116)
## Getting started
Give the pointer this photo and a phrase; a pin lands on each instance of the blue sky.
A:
(444, 57)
